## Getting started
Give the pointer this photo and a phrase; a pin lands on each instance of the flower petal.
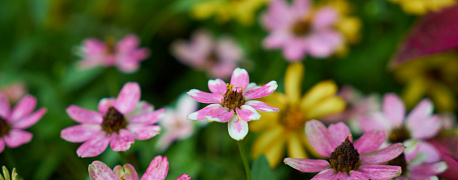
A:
(121, 141)
(185, 106)
(2, 145)
(317, 93)
(237, 128)
(85, 116)
(383, 155)
(356, 175)
(323, 43)
(339, 132)
(380, 171)
(80, 133)
(429, 169)
(23, 108)
(307, 165)
(319, 138)
(205, 97)
(278, 16)
(423, 110)
(247, 113)
(212, 112)
(128, 98)
(324, 18)
(326, 107)
(148, 118)
(295, 145)
(240, 78)
(329, 174)
(262, 91)
(294, 49)
(217, 86)
(30, 120)
(432, 153)
(127, 172)
(374, 121)
(17, 137)
(143, 132)
(394, 109)
(276, 39)
(157, 169)
(4, 106)
(424, 128)
(183, 177)
(261, 106)
(94, 146)
(293, 80)
(369, 142)
(100, 171)
(105, 104)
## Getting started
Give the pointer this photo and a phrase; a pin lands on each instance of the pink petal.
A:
(300, 8)
(328, 174)
(294, 49)
(185, 106)
(339, 132)
(100, 171)
(237, 128)
(265, 90)
(85, 116)
(375, 121)
(106, 103)
(183, 177)
(240, 78)
(121, 141)
(157, 169)
(324, 18)
(319, 138)
(324, 43)
(394, 109)
(80, 133)
(247, 113)
(212, 112)
(127, 172)
(424, 128)
(2, 145)
(148, 118)
(356, 175)
(383, 155)
(217, 86)
(205, 97)
(26, 122)
(228, 50)
(261, 106)
(4, 107)
(380, 171)
(142, 107)
(276, 40)
(17, 137)
(23, 108)
(307, 165)
(94, 146)
(128, 43)
(143, 132)
(128, 98)
(423, 110)
(429, 169)
(428, 149)
(278, 15)
(369, 142)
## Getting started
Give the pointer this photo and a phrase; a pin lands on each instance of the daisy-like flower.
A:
(14, 91)
(119, 122)
(420, 7)
(233, 102)
(13, 122)
(347, 159)
(299, 29)
(157, 170)
(125, 54)
(218, 57)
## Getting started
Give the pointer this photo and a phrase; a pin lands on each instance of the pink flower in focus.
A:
(14, 91)
(218, 57)
(157, 170)
(233, 102)
(119, 121)
(298, 29)
(347, 159)
(13, 122)
(125, 54)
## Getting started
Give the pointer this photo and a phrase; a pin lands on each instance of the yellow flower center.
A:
(4, 127)
(113, 121)
(345, 157)
(233, 98)
(292, 118)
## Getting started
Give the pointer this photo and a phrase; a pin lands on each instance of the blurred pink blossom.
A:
(299, 29)
(447, 144)
(14, 91)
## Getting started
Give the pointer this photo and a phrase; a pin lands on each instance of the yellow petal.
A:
(275, 153)
(293, 80)
(350, 27)
(268, 119)
(414, 91)
(443, 97)
(205, 9)
(329, 106)
(296, 145)
(318, 92)
(267, 139)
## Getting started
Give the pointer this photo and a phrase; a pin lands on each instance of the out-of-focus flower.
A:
(299, 29)
(119, 122)
(434, 76)
(125, 54)
(157, 170)
(14, 91)
(420, 7)
(447, 144)
(287, 127)
(347, 159)
(218, 57)
(233, 102)
(13, 122)
(176, 125)
(243, 11)
(7, 175)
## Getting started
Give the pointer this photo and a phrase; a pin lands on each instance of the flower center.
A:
(302, 27)
(4, 127)
(110, 44)
(345, 157)
(113, 121)
(400, 161)
(292, 118)
(233, 98)
(399, 135)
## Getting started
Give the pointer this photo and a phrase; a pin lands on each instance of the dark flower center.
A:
(233, 98)
(113, 121)
(110, 44)
(4, 127)
(399, 135)
(301, 27)
(292, 118)
(400, 161)
(345, 157)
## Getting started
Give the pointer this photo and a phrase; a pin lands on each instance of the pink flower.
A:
(349, 160)
(14, 91)
(157, 170)
(218, 57)
(119, 121)
(447, 145)
(13, 122)
(298, 29)
(232, 102)
(125, 54)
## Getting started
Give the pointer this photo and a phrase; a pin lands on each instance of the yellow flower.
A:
(434, 76)
(286, 128)
(420, 7)
(241, 10)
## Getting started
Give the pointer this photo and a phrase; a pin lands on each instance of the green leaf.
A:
(261, 169)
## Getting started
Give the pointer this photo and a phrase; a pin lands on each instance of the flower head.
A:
(14, 91)
(347, 159)
(119, 121)
(125, 54)
(157, 170)
(13, 122)
(233, 102)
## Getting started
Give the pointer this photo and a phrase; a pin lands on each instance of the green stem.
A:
(10, 158)
(122, 157)
(245, 160)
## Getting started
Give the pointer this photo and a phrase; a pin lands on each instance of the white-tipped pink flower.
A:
(233, 102)
(119, 121)
(299, 30)
(125, 54)
(13, 122)
(218, 57)
(157, 170)
(347, 159)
